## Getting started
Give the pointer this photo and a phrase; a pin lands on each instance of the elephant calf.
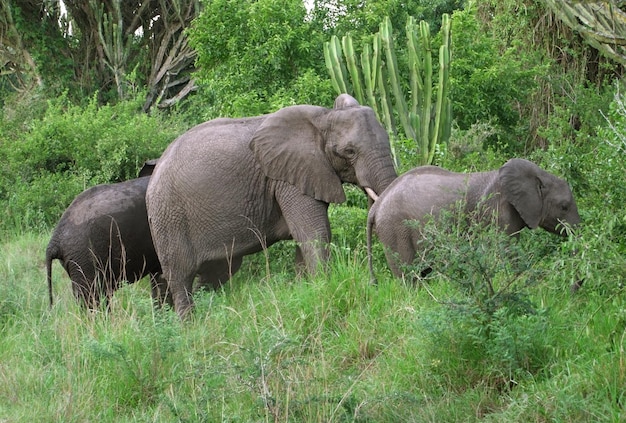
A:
(521, 194)
(103, 238)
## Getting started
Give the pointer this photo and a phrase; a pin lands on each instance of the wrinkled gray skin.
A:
(522, 194)
(231, 187)
(103, 239)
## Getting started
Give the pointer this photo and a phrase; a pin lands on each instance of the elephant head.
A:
(316, 149)
(541, 199)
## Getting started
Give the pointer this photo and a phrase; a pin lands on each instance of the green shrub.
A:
(489, 82)
(106, 143)
(467, 150)
(56, 156)
(595, 168)
(35, 204)
(487, 332)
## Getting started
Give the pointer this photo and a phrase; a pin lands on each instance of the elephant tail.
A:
(52, 253)
(371, 217)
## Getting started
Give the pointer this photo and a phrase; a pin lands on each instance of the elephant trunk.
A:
(375, 175)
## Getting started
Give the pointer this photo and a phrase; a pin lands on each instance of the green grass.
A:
(274, 347)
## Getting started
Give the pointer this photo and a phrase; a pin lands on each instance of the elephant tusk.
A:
(371, 193)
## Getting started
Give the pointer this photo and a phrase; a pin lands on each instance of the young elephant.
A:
(521, 194)
(103, 238)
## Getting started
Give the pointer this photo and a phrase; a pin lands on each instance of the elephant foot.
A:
(184, 310)
(183, 304)
(576, 286)
(161, 294)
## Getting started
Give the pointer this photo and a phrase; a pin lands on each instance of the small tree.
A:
(99, 46)
(16, 62)
(601, 23)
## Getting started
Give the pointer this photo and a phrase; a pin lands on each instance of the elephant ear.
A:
(522, 187)
(289, 147)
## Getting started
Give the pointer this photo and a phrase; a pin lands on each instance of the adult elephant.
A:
(231, 187)
(103, 239)
(520, 193)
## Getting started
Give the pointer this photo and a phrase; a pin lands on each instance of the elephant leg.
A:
(307, 220)
(400, 253)
(214, 274)
(178, 267)
(84, 285)
(160, 291)
(179, 286)
(300, 262)
(85, 294)
(181, 290)
(394, 262)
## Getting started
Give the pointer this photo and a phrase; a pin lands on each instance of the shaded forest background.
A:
(91, 89)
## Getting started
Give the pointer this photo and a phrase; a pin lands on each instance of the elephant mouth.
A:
(371, 193)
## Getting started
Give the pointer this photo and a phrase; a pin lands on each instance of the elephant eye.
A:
(349, 152)
(564, 207)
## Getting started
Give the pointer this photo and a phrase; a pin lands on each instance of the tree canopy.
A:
(245, 58)
(113, 47)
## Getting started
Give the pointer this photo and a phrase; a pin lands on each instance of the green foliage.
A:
(495, 353)
(494, 270)
(52, 157)
(307, 88)
(253, 57)
(348, 226)
(361, 19)
(593, 163)
(490, 84)
(595, 167)
(467, 150)
(38, 202)
(487, 332)
(248, 52)
(609, 164)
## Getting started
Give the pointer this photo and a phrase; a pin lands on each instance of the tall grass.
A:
(271, 346)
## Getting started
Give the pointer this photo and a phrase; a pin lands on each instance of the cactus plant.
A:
(334, 64)
(421, 120)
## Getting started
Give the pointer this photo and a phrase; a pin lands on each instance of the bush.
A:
(348, 225)
(596, 171)
(487, 332)
(70, 148)
(490, 83)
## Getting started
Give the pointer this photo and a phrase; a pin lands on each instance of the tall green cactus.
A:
(335, 66)
(443, 111)
(420, 120)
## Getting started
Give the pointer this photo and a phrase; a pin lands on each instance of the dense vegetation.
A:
(526, 330)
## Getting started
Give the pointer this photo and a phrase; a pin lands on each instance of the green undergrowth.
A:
(272, 346)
